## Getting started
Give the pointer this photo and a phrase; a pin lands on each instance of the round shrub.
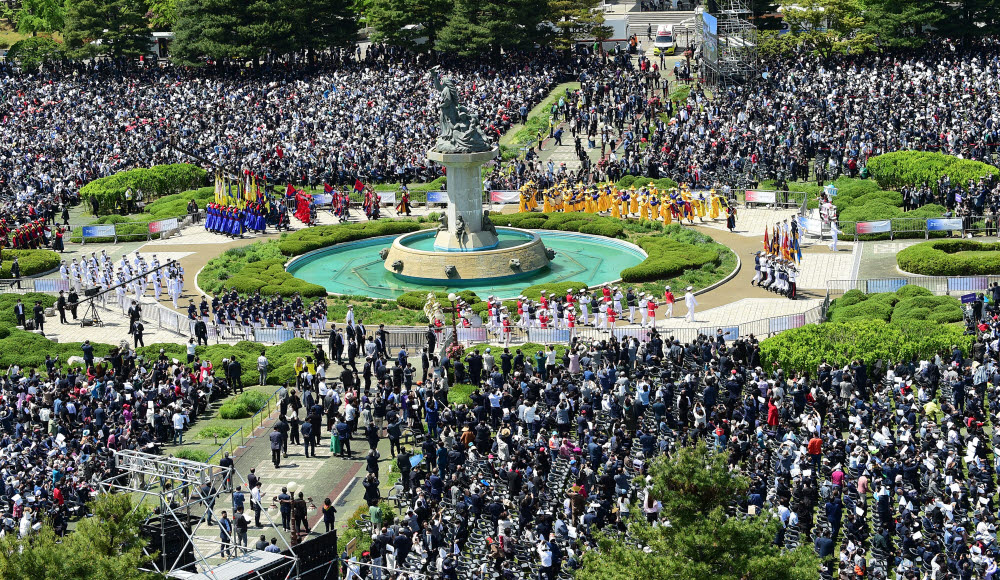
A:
(909, 168)
(951, 258)
(309, 239)
(31, 261)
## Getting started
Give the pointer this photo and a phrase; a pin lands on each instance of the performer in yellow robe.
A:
(616, 200)
(715, 206)
(665, 214)
(523, 204)
(633, 208)
(643, 206)
(547, 205)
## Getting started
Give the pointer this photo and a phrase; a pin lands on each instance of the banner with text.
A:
(760, 196)
(967, 284)
(472, 334)
(322, 198)
(51, 285)
(811, 226)
(880, 285)
(98, 231)
(782, 323)
(548, 335)
(388, 197)
(505, 196)
(878, 227)
(162, 226)
(437, 197)
(944, 224)
(275, 335)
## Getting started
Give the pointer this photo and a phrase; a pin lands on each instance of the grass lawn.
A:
(205, 435)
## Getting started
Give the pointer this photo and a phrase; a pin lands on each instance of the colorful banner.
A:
(753, 196)
(878, 227)
(728, 332)
(323, 198)
(162, 226)
(811, 226)
(786, 322)
(967, 284)
(944, 224)
(505, 196)
(98, 231)
(472, 334)
(884, 285)
(968, 298)
(437, 197)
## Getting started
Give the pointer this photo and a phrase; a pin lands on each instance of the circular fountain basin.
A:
(356, 267)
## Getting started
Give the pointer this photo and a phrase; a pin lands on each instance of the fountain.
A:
(466, 250)
(467, 245)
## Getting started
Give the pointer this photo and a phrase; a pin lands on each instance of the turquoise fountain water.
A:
(355, 267)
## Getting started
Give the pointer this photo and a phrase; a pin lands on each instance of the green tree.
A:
(574, 19)
(694, 488)
(481, 26)
(210, 29)
(828, 27)
(36, 16)
(162, 14)
(120, 26)
(402, 22)
(107, 545)
(970, 19)
(901, 23)
(32, 52)
(323, 24)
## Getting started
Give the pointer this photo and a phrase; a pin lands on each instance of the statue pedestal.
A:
(465, 197)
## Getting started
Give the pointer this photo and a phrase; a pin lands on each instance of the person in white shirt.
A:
(690, 301)
(180, 420)
(262, 369)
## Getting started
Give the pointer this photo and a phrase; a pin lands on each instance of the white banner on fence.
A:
(505, 196)
(878, 227)
(472, 334)
(51, 285)
(323, 198)
(641, 333)
(811, 226)
(548, 335)
(753, 196)
(276, 335)
(388, 197)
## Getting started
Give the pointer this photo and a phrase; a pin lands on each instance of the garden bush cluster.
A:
(415, 300)
(242, 405)
(677, 250)
(951, 258)
(270, 277)
(909, 168)
(108, 192)
(584, 223)
(31, 261)
(907, 303)
(309, 239)
(803, 349)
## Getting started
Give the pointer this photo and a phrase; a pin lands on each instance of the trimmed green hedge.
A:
(802, 349)
(109, 192)
(31, 261)
(28, 349)
(415, 300)
(309, 239)
(585, 223)
(908, 303)
(270, 277)
(175, 205)
(217, 272)
(951, 258)
(7, 302)
(909, 168)
(677, 250)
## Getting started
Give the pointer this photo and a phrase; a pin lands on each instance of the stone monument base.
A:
(469, 242)
(451, 267)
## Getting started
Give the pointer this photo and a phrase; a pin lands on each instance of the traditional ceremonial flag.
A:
(797, 247)
(767, 242)
(218, 188)
(358, 186)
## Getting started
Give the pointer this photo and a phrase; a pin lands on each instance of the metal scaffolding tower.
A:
(180, 496)
(729, 54)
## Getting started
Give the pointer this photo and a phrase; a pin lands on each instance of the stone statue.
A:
(444, 223)
(515, 264)
(429, 306)
(397, 265)
(459, 227)
(459, 127)
(488, 223)
(383, 253)
(550, 253)
(450, 271)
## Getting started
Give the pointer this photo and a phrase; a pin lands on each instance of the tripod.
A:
(91, 315)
